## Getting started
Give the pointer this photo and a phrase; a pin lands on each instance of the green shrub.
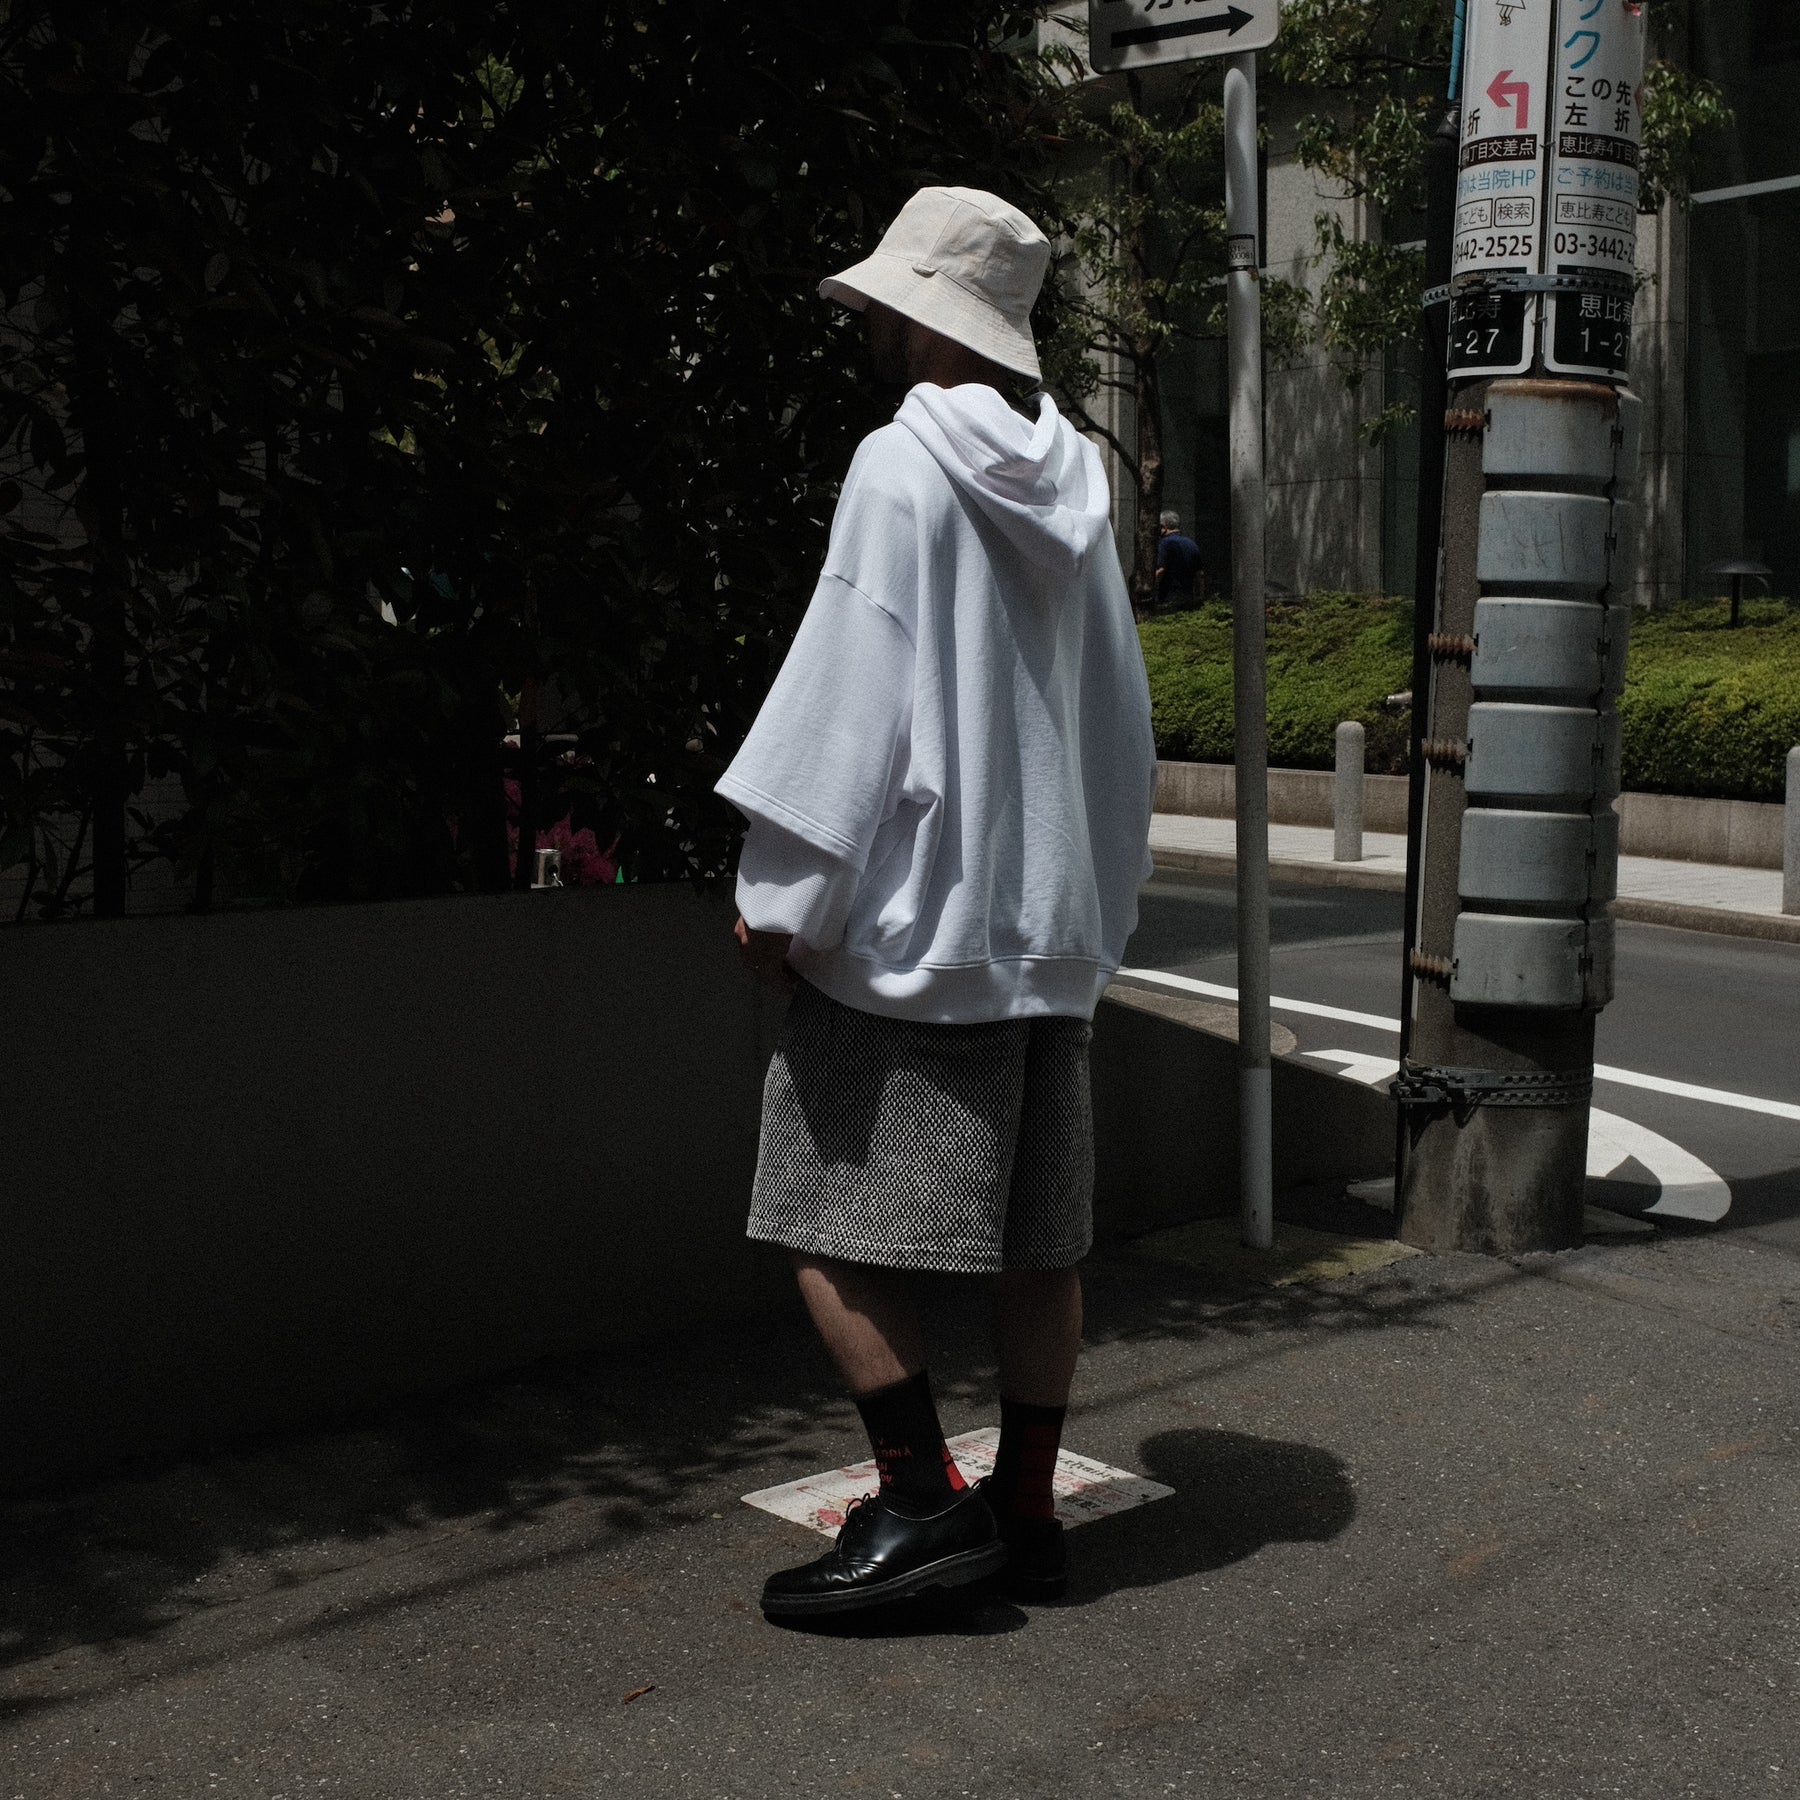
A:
(1706, 710)
(1709, 710)
(1331, 658)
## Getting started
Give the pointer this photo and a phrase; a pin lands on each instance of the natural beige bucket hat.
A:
(963, 262)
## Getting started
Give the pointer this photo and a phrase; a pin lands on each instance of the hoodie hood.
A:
(1041, 484)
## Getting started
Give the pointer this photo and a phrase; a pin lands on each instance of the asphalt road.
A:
(1692, 1009)
(1457, 1528)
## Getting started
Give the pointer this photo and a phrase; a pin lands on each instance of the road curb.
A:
(1309, 874)
(1777, 928)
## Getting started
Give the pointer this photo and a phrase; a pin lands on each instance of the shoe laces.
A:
(856, 1515)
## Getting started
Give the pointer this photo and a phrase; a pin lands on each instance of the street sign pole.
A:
(1122, 34)
(1249, 661)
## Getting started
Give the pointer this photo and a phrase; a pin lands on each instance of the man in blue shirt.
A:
(1178, 570)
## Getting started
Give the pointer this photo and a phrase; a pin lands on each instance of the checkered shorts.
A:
(960, 1148)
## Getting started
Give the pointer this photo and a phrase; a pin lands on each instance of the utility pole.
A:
(1520, 842)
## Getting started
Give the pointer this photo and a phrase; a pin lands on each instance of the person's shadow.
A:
(1233, 1494)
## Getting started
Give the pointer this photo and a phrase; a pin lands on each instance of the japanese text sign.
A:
(1500, 180)
(1596, 133)
(1547, 186)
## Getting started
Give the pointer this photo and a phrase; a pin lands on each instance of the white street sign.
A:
(1139, 34)
(1500, 181)
(1597, 129)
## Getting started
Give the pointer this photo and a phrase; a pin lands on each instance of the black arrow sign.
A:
(1233, 19)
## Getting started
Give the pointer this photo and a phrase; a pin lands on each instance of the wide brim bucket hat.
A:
(962, 262)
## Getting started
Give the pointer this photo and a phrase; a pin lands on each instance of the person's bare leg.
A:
(923, 1527)
(1037, 1316)
(866, 1317)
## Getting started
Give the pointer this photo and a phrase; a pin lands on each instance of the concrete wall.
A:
(1296, 796)
(1166, 1122)
(1745, 834)
(266, 1170)
(262, 1169)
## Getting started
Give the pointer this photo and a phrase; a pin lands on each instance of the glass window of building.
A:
(1743, 385)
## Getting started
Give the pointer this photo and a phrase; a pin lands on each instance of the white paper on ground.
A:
(1084, 1489)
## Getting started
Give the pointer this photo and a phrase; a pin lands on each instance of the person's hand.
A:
(765, 955)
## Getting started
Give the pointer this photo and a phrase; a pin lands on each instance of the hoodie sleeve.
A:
(832, 743)
(785, 884)
(832, 740)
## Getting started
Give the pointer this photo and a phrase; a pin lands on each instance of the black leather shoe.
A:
(1037, 1558)
(884, 1555)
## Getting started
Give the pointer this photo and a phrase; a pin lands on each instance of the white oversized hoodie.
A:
(950, 783)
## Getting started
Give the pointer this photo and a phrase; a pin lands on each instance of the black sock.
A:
(916, 1466)
(1025, 1463)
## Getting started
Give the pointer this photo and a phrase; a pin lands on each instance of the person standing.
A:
(949, 790)
(1178, 568)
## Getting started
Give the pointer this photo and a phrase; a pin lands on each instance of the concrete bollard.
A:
(1347, 795)
(1790, 837)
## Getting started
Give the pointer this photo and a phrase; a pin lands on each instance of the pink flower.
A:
(584, 863)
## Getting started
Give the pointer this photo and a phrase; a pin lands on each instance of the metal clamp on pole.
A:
(1462, 1090)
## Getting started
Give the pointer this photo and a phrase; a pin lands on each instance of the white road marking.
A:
(1655, 1084)
(1186, 984)
(1359, 1065)
(1083, 1489)
(1686, 1090)
(1690, 1190)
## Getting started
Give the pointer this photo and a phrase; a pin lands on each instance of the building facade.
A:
(1716, 361)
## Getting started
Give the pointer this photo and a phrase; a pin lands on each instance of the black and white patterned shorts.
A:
(959, 1148)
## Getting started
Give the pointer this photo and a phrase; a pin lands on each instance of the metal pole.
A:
(1434, 397)
(1249, 673)
(1347, 794)
(1790, 836)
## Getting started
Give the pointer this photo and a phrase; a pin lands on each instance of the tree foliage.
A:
(1137, 200)
(363, 363)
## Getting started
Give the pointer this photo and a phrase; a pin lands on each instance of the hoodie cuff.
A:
(788, 885)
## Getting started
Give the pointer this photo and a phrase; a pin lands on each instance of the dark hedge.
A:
(503, 316)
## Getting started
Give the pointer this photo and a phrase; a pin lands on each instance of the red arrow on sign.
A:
(1504, 91)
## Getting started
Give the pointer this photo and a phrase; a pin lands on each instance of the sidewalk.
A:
(1700, 896)
(1450, 1529)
